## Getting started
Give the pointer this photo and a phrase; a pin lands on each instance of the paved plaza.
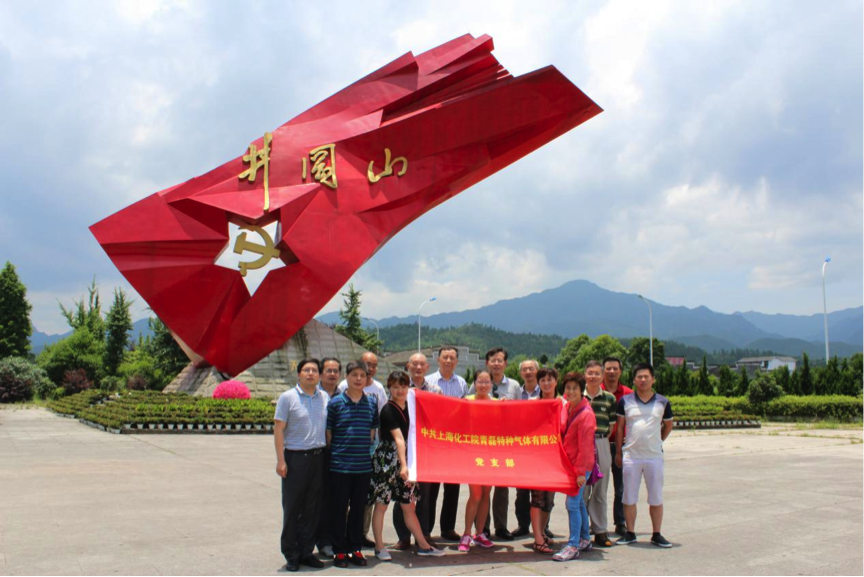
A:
(74, 500)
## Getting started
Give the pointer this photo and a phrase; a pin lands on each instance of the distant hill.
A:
(476, 337)
(845, 325)
(583, 307)
(815, 350)
(39, 340)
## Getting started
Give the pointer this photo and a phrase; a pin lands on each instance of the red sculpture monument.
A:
(340, 179)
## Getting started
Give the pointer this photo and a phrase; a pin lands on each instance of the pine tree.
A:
(352, 321)
(118, 323)
(705, 387)
(89, 315)
(726, 381)
(743, 384)
(15, 327)
(806, 378)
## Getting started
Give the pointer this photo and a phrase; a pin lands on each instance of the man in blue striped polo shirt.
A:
(352, 421)
(300, 438)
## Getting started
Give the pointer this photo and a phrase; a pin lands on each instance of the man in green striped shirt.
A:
(603, 404)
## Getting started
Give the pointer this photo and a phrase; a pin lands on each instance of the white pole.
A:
(825, 308)
(418, 321)
(650, 330)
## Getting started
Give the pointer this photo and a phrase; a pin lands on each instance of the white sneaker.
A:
(566, 554)
(383, 555)
(430, 552)
(327, 551)
(585, 545)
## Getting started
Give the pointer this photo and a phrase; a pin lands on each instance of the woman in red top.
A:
(578, 427)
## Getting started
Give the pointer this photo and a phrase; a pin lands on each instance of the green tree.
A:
(352, 321)
(853, 375)
(743, 383)
(704, 386)
(664, 379)
(725, 381)
(80, 350)
(763, 388)
(795, 383)
(88, 314)
(118, 324)
(166, 355)
(682, 381)
(15, 327)
(598, 349)
(783, 378)
(828, 380)
(567, 355)
(806, 377)
(640, 352)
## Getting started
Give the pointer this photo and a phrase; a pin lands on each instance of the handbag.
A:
(594, 475)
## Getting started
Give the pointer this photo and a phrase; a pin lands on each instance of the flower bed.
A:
(152, 411)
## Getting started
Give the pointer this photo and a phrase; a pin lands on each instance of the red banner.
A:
(500, 443)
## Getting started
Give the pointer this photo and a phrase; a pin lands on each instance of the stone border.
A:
(719, 424)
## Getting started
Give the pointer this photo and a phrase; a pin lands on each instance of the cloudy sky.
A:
(727, 164)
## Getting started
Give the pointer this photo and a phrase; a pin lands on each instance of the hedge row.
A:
(158, 410)
(840, 407)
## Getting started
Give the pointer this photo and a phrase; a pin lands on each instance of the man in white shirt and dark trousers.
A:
(452, 385)
(299, 433)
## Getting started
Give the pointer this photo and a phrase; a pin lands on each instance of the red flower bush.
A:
(231, 390)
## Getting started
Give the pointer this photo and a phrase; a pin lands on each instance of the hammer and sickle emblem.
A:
(266, 250)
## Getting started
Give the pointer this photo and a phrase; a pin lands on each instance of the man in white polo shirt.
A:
(648, 419)
(452, 385)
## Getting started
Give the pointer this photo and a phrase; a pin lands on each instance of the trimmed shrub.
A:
(840, 407)
(18, 379)
(75, 381)
(763, 389)
(137, 383)
(231, 390)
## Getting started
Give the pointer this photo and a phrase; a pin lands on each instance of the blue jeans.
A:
(578, 516)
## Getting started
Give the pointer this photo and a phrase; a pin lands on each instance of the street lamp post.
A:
(418, 321)
(825, 307)
(377, 331)
(650, 330)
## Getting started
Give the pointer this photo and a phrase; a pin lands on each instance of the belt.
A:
(317, 451)
(600, 435)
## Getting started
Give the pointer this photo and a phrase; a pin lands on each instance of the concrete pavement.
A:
(74, 500)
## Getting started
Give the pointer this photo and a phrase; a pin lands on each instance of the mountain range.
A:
(581, 306)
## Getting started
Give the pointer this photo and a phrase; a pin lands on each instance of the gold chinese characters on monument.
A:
(259, 159)
(388, 167)
(321, 164)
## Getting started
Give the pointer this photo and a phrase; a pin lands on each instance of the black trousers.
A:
(301, 503)
(428, 496)
(618, 483)
(349, 492)
(523, 508)
(449, 507)
(322, 535)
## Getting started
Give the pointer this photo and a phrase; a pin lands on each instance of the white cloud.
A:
(728, 159)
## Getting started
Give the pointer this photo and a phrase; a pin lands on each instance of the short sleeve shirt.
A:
(375, 389)
(350, 425)
(454, 387)
(305, 418)
(644, 425)
(604, 407)
(393, 417)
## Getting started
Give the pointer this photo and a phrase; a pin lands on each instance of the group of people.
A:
(341, 451)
